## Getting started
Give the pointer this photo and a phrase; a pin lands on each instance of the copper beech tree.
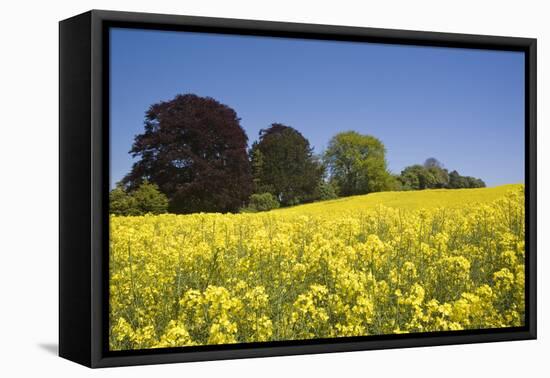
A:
(194, 149)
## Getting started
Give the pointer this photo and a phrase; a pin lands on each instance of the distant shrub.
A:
(121, 203)
(262, 202)
(147, 198)
(150, 199)
(294, 201)
(432, 175)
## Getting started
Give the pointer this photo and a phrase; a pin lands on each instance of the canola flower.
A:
(199, 279)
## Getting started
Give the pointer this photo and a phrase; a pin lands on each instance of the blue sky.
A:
(463, 106)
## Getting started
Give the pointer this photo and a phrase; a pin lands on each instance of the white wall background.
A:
(29, 185)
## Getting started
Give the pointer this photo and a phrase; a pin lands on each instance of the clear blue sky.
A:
(463, 106)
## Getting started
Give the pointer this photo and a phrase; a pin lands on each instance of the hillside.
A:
(410, 200)
(280, 275)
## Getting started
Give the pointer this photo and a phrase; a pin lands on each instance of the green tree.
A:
(357, 163)
(417, 177)
(440, 176)
(262, 202)
(283, 164)
(149, 199)
(121, 203)
(473, 182)
(257, 164)
(456, 181)
(145, 199)
(394, 183)
(326, 191)
(432, 175)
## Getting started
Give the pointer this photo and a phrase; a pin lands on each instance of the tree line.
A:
(193, 157)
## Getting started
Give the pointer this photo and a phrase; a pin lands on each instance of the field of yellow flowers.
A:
(378, 264)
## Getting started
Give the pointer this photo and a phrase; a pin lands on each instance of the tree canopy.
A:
(194, 149)
(433, 175)
(456, 181)
(149, 199)
(261, 202)
(192, 157)
(357, 164)
(283, 164)
(120, 203)
(146, 199)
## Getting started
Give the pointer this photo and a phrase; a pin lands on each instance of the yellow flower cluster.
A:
(181, 280)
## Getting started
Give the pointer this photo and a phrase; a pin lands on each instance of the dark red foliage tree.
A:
(194, 149)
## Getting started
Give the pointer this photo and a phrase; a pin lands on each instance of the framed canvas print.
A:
(234, 188)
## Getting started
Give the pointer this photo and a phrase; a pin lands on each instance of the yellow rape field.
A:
(385, 263)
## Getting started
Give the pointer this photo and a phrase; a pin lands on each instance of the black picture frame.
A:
(84, 186)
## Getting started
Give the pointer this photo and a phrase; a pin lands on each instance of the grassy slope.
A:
(454, 198)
